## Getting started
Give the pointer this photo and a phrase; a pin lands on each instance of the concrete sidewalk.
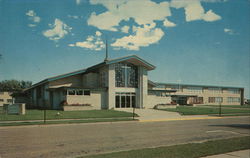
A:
(153, 115)
(235, 154)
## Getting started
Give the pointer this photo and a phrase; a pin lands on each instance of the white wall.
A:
(95, 99)
(155, 100)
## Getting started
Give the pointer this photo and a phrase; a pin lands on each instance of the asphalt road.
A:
(81, 139)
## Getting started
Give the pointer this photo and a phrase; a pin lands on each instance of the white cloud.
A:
(31, 13)
(98, 33)
(142, 13)
(211, 16)
(73, 16)
(144, 36)
(194, 10)
(31, 25)
(145, 15)
(168, 23)
(78, 2)
(213, 1)
(33, 18)
(125, 29)
(229, 31)
(58, 30)
(91, 42)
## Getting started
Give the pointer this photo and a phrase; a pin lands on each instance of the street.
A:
(73, 140)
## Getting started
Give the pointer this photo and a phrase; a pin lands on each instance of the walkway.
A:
(148, 115)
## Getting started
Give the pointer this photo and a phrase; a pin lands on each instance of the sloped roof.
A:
(131, 58)
(134, 59)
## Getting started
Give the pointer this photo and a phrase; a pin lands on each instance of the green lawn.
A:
(52, 114)
(186, 110)
(230, 106)
(191, 150)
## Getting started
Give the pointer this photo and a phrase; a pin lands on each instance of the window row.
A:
(200, 89)
(195, 89)
(8, 100)
(233, 100)
(220, 99)
(77, 92)
(215, 99)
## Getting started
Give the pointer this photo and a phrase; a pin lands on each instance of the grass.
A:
(191, 150)
(52, 114)
(230, 106)
(185, 110)
(63, 122)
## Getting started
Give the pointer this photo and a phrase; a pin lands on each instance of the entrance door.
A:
(125, 100)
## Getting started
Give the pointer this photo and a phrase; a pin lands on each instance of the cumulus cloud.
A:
(143, 14)
(144, 36)
(93, 42)
(117, 11)
(125, 29)
(33, 18)
(58, 30)
(144, 30)
(168, 23)
(98, 33)
(195, 11)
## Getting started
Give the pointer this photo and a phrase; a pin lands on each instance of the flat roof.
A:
(197, 85)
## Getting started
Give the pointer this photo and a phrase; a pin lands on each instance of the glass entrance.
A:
(125, 100)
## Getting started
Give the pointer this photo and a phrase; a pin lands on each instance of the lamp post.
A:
(133, 112)
(44, 115)
(220, 109)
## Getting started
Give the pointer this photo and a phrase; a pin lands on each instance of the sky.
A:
(205, 42)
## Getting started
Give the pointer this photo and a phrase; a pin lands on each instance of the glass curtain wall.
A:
(126, 75)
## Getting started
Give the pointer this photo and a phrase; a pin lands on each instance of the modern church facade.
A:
(123, 83)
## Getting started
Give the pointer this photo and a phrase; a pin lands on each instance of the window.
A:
(215, 99)
(1, 100)
(234, 91)
(126, 75)
(215, 90)
(39, 92)
(195, 89)
(65, 92)
(71, 92)
(9, 100)
(160, 86)
(218, 99)
(196, 100)
(233, 100)
(79, 92)
(86, 92)
(103, 79)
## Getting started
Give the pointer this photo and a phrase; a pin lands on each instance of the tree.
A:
(14, 85)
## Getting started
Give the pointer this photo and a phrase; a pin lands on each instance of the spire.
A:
(106, 57)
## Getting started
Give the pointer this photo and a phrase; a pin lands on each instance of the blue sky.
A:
(189, 41)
